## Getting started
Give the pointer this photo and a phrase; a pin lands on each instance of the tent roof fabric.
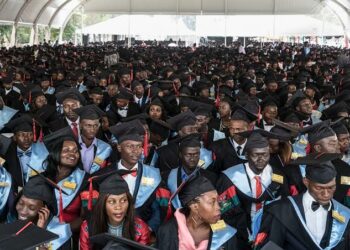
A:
(269, 25)
(55, 13)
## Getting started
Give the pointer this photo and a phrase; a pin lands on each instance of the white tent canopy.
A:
(141, 25)
(209, 25)
(266, 25)
(56, 13)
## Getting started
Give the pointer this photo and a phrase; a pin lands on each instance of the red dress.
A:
(142, 234)
(72, 211)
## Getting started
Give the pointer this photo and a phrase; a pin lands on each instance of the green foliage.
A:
(73, 24)
(23, 34)
(54, 34)
(5, 33)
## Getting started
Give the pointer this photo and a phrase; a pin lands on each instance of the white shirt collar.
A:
(81, 142)
(264, 175)
(136, 99)
(21, 151)
(70, 122)
(235, 144)
(8, 91)
(121, 167)
(307, 201)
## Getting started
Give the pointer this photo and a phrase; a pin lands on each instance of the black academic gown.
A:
(112, 113)
(58, 124)
(13, 166)
(12, 99)
(167, 238)
(150, 211)
(212, 177)
(342, 194)
(225, 155)
(283, 226)
(276, 161)
(239, 216)
(168, 158)
(295, 180)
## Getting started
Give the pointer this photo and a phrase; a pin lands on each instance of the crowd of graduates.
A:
(190, 148)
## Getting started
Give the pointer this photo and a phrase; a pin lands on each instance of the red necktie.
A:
(75, 130)
(258, 188)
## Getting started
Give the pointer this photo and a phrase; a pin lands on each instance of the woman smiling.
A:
(114, 214)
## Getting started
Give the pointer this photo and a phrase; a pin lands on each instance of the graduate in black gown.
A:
(322, 139)
(189, 154)
(145, 183)
(244, 189)
(168, 156)
(310, 220)
(230, 151)
(197, 225)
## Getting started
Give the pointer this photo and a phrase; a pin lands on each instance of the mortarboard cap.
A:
(291, 117)
(242, 113)
(22, 235)
(160, 127)
(55, 186)
(142, 117)
(192, 140)
(90, 112)
(185, 90)
(339, 128)
(315, 158)
(333, 111)
(96, 91)
(134, 84)
(24, 124)
(271, 246)
(71, 93)
(269, 101)
(285, 134)
(226, 91)
(35, 92)
(113, 184)
(124, 71)
(124, 94)
(258, 138)
(201, 85)
(111, 242)
(319, 167)
(194, 187)
(156, 101)
(318, 131)
(296, 98)
(200, 108)
(285, 128)
(61, 135)
(37, 188)
(132, 130)
(183, 119)
(7, 80)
